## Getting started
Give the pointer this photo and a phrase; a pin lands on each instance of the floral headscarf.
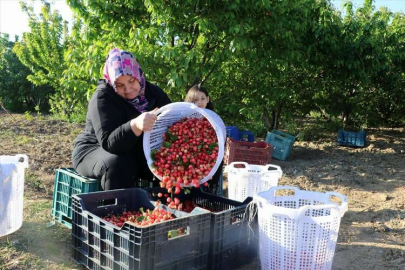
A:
(120, 63)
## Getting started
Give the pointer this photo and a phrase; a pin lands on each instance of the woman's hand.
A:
(144, 122)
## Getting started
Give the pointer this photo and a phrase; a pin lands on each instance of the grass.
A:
(22, 140)
(14, 256)
(11, 135)
(36, 245)
(34, 180)
(7, 134)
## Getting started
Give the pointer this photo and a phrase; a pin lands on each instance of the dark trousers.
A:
(213, 184)
(115, 171)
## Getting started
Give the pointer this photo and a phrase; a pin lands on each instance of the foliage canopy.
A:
(264, 62)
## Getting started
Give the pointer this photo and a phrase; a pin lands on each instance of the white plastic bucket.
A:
(171, 113)
(247, 180)
(11, 192)
(298, 231)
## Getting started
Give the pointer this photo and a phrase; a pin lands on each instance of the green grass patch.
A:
(7, 134)
(34, 180)
(14, 254)
(36, 245)
(13, 137)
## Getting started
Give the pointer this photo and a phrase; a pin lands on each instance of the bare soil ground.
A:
(372, 233)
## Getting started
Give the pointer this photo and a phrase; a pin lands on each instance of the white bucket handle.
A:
(239, 163)
(260, 200)
(274, 189)
(22, 160)
(232, 166)
(340, 196)
(278, 169)
(343, 207)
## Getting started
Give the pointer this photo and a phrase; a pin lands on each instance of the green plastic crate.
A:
(282, 143)
(68, 183)
(287, 136)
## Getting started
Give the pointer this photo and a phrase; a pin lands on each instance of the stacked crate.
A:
(220, 239)
(68, 183)
(282, 143)
(240, 135)
(250, 152)
(99, 244)
(246, 136)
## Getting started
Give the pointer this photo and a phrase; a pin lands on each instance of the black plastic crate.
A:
(99, 244)
(232, 242)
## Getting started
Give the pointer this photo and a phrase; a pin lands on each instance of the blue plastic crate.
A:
(246, 136)
(354, 139)
(232, 132)
(282, 143)
(285, 135)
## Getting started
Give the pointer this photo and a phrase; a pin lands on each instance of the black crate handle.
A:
(108, 202)
(120, 197)
(181, 232)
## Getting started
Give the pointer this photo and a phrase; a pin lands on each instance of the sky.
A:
(14, 22)
(393, 5)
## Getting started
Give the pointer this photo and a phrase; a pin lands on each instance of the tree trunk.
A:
(273, 119)
(276, 116)
(346, 117)
(266, 119)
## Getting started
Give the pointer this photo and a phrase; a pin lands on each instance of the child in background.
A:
(199, 96)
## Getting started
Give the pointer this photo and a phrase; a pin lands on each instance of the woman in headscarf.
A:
(111, 146)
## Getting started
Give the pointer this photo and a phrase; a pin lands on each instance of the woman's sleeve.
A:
(112, 130)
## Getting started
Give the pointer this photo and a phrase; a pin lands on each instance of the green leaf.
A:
(167, 144)
(212, 145)
(153, 154)
(172, 233)
(172, 138)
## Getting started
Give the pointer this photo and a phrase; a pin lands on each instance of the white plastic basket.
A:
(171, 113)
(250, 179)
(11, 192)
(298, 231)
